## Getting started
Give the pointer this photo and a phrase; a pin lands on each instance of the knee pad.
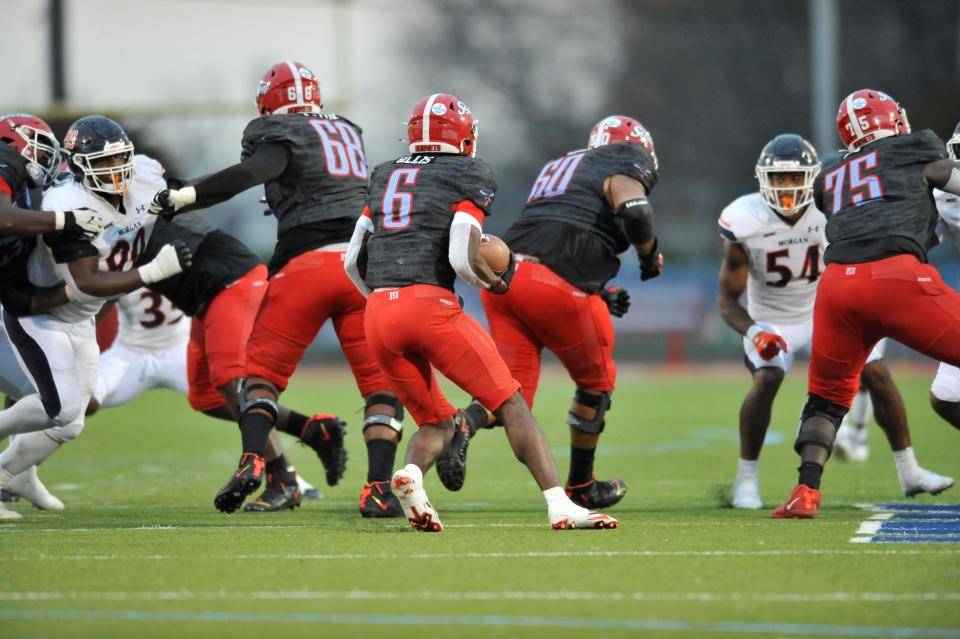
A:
(64, 434)
(600, 402)
(394, 421)
(817, 406)
(246, 403)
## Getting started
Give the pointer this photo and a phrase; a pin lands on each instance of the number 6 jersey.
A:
(785, 261)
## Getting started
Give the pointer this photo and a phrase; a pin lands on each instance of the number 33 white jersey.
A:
(150, 322)
(118, 246)
(785, 261)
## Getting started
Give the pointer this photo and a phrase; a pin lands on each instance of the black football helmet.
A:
(100, 154)
(787, 153)
(953, 144)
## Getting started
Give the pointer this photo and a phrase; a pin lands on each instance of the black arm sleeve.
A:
(636, 215)
(267, 162)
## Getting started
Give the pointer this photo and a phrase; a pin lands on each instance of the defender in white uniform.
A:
(58, 351)
(774, 246)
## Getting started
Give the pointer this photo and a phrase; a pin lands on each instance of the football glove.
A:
(80, 224)
(171, 259)
(651, 264)
(170, 201)
(617, 299)
(506, 277)
(767, 343)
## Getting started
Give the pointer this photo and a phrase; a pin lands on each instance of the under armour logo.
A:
(851, 270)
(394, 295)
(813, 229)
(142, 208)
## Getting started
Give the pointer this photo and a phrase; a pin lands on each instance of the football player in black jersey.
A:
(420, 230)
(314, 171)
(584, 209)
(881, 220)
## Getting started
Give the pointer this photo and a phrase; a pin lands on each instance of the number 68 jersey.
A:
(124, 238)
(785, 261)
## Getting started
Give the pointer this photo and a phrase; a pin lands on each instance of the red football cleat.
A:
(801, 504)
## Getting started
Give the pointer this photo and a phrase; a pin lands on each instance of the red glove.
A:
(767, 344)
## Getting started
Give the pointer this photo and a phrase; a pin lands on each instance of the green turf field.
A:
(140, 551)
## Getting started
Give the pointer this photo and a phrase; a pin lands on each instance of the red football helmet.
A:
(867, 115)
(288, 87)
(34, 140)
(621, 128)
(441, 123)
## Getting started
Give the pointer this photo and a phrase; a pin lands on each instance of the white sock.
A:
(748, 467)
(25, 451)
(906, 462)
(557, 499)
(25, 416)
(861, 411)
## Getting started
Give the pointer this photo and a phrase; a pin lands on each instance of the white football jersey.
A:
(785, 261)
(150, 322)
(119, 245)
(948, 206)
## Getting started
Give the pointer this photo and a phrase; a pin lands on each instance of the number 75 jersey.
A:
(785, 261)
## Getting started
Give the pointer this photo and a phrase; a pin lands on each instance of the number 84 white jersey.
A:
(785, 261)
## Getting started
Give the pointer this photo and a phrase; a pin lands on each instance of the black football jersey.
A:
(412, 201)
(218, 260)
(876, 201)
(326, 174)
(568, 223)
(13, 173)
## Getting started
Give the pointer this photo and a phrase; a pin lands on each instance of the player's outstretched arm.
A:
(730, 287)
(171, 259)
(267, 162)
(628, 198)
(944, 175)
(355, 259)
(83, 223)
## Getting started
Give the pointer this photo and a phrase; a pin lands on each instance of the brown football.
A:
(496, 253)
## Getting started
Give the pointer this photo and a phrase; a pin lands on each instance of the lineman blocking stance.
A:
(773, 251)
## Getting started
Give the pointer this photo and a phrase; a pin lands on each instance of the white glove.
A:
(172, 259)
(169, 201)
(80, 223)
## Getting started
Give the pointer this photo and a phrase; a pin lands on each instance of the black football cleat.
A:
(324, 434)
(377, 500)
(280, 493)
(243, 482)
(597, 494)
(452, 463)
(7, 496)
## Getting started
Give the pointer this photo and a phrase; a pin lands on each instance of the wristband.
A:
(753, 331)
(60, 220)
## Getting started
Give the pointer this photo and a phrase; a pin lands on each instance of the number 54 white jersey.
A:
(119, 245)
(785, 261)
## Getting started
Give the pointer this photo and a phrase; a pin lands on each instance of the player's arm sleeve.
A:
(267, 161)
(354, 259)
(478, 185)
(944, 175)
(464, 221)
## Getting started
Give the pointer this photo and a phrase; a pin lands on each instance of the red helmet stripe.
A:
(295, 72)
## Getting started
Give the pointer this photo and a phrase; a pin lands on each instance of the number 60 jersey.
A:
(785, 261)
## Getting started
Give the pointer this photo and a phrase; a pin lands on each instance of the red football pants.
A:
(859, 304)
(411, 328)
(218, 338)
(544, 310)
(310, 289)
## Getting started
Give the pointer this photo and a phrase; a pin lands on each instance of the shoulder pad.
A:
(742, 218)
(626, 158)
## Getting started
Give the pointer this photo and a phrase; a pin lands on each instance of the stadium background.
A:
(712, 80)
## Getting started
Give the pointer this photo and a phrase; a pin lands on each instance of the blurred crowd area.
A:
(712, 80)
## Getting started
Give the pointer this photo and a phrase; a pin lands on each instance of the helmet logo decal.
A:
(305, 73)
(612, 122)
(439, 109)
(70, 141)
(859, 103)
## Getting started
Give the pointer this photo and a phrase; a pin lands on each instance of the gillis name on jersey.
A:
(410, 159)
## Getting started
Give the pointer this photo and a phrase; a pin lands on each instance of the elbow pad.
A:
(636, 215)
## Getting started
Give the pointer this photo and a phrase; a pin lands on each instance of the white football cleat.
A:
(925, 482)
(8, 515)
(851, 443)
(573, 516)
(746, 492)
(407, 485)
(308, 490)
(28, 485)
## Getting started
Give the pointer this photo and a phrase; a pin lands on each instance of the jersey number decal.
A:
(342, 148)
(555, 177)
(862, 188)
(810, 269)
(396, 204)
(124, 251)
(159, 317)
